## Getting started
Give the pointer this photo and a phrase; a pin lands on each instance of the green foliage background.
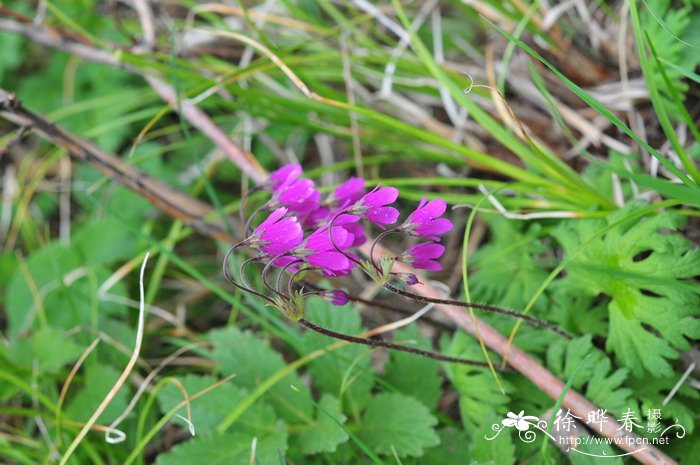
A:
(628, 292)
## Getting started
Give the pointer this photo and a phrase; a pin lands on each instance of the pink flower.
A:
(290, 171)
(319, 251)
(277, 234)
(351, 223)
(349, 192)
(423, 256)
(425, 221)
(335, 296)
(372, 206)
(293, 192)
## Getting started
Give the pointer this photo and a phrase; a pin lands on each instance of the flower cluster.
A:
(306, 231)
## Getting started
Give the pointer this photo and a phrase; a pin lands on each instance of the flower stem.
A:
(532, 321)
(376, 241)
(330, 236)
(389, 345)
(230, 279)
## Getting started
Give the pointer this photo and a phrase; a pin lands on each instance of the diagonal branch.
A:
(58, 40)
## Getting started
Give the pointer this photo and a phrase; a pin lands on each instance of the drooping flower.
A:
(423, 256)
(351, 223)
(373, 206)
(425, 221)
(335, 296)
(348, 192)
(320, 251)
(293, 192)
(287, 172)
(278, 234)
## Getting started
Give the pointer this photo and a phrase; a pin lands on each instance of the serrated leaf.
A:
(230, 448)
(652, 298)
(345, 372)
(593, 454)
(499, 450)
(454, 448)
(397, 422)
(683, 405)
(209, 409)
(97, 380)
(326, 434)
(602, 387)
(479, 395)
(510, 253)
(48, 349)
(253, 361)
(414, 376)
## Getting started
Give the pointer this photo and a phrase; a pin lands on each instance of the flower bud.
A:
(335, 296)
(407, 278)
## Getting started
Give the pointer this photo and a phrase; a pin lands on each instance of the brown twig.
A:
(197, 118)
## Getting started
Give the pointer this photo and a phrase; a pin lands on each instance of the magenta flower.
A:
(293, 191)
(277, 234)
(349, 192)
(335, 296)
(423, 256)
(319, 251)
(425, 221)
(306, 207)
(351, 223)
(372, 206)
(287, 172)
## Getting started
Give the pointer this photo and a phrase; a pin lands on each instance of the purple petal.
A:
(336, 297)
(379, 197)
(430, 265)
(434, 227)
(293, 170)
(272, 218)
(382, 215)
(426, 250)
(334, 261)
(349, 192)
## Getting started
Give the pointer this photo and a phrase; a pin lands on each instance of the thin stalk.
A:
(532, 321)
(230, 279)
(389, 345)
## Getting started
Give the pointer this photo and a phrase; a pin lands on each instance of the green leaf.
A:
(253, 361)
(47, 267)
(411, 375)
(326, 434)
(510, 252)
(602, 387)
(397, 422)
(105, 241)
(209, 409)
(49, 348)
(499, 450)
(454, 448)
(97, 381)
(591, 450)
(345, 372)
(230, 448)
(479, 395)
(646, 270)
